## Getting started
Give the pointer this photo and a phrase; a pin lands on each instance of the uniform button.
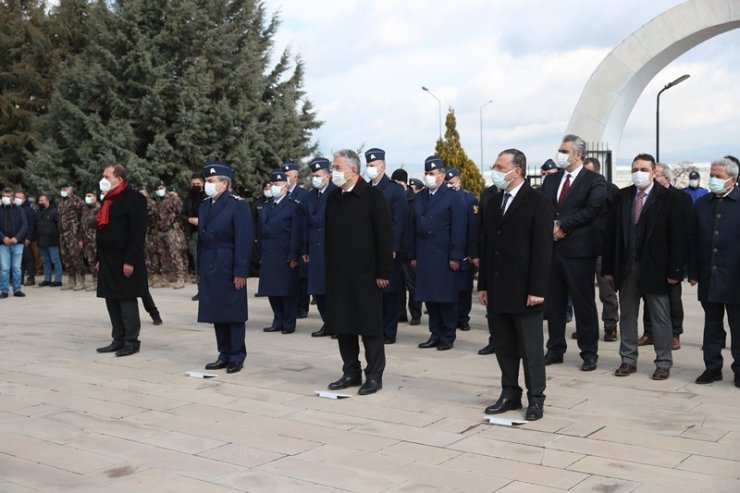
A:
(716, 232)
(715, 250)
(714, 267)
(719, 216)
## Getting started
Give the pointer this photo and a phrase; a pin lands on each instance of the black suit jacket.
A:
(516, 251)
(579, 214)
(662, 251)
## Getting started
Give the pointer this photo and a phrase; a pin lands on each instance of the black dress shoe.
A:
(552, 358)
(346, 381)
(127, 351)
(56, 284)
(390, 340)
(302, 315)
(429, 344)
(196, 297)
(574, 335)
(588, 365)
(272, 329)
(19, 294)
(156, 319)
(320, 333)
(3, 295)
(287, 331)
(44, 283)
(444, 346)
(234, 367)
(414, 321)
(217, 365)
(371, 386)
(534, 411)
(110, 348)
(504, 404)
(610, 335)
(464, 327)
(737, 380)
(489, 349)
(709, 376)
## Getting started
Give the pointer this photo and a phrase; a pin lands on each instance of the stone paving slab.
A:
(75, 420)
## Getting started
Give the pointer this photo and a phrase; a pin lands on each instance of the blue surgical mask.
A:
(499, 179)
(276, 191)
(717, 185)
(317, 182)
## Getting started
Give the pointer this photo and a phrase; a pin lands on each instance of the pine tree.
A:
(454, 156)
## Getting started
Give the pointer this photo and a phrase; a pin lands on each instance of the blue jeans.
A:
(10, 263)
(50, 257)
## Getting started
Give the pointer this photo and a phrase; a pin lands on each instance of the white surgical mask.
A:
(694, 183)
(338, 178)
(641, 179)
(499, 179)
(89, 200)
(160, 192)
(430, 181)
(276, 191)
(210, 190)
(105, 185)
(717, 185)
(18, 202)
(7, 201)
(562, 160)
(64, 194)
(372, 172)
(267, 194)
(317, 182)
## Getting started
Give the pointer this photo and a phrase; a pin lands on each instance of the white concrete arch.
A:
(615, 86)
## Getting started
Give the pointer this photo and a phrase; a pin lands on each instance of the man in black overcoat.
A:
(515, 257)
(122, 223)
(359, 264)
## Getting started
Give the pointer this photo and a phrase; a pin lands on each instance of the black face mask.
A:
(196, 190)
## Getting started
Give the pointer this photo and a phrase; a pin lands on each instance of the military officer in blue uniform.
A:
(314, 246)
(438, 239)
(465, 302)
(280, 241)
(300, 195)
(395, 197)
(225, 236)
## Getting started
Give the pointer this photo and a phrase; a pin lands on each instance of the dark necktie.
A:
(564, 191)
(507, 196)
(637, 206)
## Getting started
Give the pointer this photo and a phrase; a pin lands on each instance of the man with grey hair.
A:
(359, 253)
(714, 263)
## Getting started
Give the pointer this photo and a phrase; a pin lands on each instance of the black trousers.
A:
(676, 305)
(390, 315)
(284, 311)
(574, 276)
(148, 303)
(464, 305)
(230, 341)
(409, 279)
(518, 337)
(442, 321)
(349, 349)
(124, 318)
(320, 304)
(304, 300)
(714, 334)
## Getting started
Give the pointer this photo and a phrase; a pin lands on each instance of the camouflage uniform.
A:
(174, 248)
(153, 265)
(89, 230)
(70, 234)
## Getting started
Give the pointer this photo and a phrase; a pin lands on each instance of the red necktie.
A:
(638, 205)
(564, 191)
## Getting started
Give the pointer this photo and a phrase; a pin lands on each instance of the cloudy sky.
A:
(366, 61)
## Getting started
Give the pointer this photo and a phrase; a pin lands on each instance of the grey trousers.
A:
(660, 315)
(608, 298)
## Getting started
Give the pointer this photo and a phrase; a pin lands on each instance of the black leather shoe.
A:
(429, 344)
(56, 284)
(414, 321)
(709, 376)
(45, 283)
(156, 319)
(504, 404)
(464, 327)
(217, 365)
(588, 365)
(110, 348)
(371, 386)
(302, 315)
(489, 349)
(737, 380)
(234, 367)
(346, 381)
(19, 294)
(272, 329)
(610, 335)
(127, 351)
(534, 411)
(320, 333)
(196, 297)
(390, 340)
(287, 331)
(444, 346)
(552, 358)
(574, 335)
(3, 295)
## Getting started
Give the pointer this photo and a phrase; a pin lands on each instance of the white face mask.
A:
(338, 178)
(499, 179)
(64, 194)
(7, 201)
(89, 200)
(317, 181)
(694, 183)
(562, 160)
(430, 181)
(717, 185)
(210, 190)
(105, 185)
(276, 191)
(641, 179)
(18, 202)
(372, 172)
(267, 194)
(160, 192)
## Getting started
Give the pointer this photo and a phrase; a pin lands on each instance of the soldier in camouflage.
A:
(71, 242)
(89, 230)
(153, 267)
(174, 261)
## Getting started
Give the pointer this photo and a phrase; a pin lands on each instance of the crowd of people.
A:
(369, 249)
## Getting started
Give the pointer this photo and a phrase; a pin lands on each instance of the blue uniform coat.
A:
(225, 235)
(397, 203)
(280, 240)
(315, 244)
(438, 235)
(465, 279)
(301, 196)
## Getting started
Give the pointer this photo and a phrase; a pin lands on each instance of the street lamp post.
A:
(439, 104)
(657, 113)
(481, 132)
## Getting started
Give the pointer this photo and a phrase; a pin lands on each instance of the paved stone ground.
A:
(75, 420)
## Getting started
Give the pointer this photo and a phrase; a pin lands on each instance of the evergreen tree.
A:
(454, 156)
